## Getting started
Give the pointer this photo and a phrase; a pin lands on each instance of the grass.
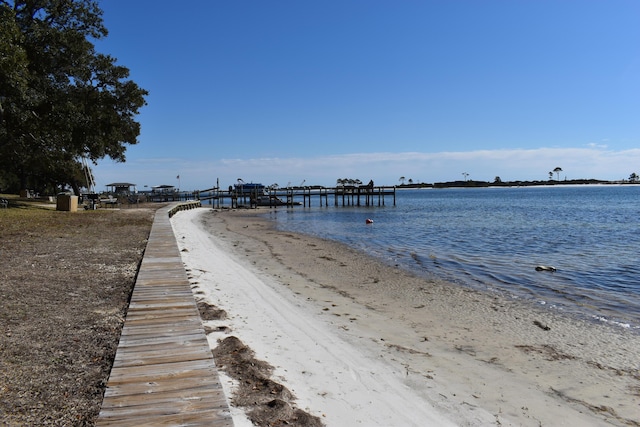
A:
(65, 283)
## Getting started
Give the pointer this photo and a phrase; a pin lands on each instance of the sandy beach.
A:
(359, 342)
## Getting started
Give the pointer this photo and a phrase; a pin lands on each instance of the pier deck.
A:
(164, 373)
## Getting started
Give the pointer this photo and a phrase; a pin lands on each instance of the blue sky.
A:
(288, 91)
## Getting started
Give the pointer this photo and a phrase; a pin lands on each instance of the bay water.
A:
(492, 239)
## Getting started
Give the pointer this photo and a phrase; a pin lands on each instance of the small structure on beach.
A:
(122, 188)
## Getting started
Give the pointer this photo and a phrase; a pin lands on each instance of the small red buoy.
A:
(369, 221)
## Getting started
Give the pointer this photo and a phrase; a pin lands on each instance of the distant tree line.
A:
(60, 100)
(634, 178)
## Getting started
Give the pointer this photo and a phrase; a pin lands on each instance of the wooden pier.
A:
(164, 373)
(306, 196)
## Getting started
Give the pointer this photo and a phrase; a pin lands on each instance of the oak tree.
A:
(60, 100)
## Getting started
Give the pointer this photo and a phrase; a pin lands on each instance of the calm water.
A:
(493, 238)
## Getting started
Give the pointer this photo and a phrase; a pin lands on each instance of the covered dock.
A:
(121, 188)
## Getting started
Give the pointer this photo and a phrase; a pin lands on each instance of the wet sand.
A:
(418, 351)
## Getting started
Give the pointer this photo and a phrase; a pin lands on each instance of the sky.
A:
(291, 91)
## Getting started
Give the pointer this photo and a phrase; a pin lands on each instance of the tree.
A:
(13, 63)
(410, 181)
(557, 171)
(497, 180)
(550, 176)
(402, 178)
(633, 177)
(60, 99)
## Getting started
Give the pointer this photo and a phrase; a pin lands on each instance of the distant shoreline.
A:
(485, 184)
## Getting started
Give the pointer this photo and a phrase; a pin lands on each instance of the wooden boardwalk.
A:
(163, 373)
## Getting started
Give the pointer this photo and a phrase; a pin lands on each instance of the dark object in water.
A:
(545, 268)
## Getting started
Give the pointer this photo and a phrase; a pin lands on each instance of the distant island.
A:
(500, 183)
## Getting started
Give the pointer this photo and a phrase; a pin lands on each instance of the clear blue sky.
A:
(279, 91)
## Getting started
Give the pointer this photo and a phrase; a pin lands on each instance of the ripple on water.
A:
(492, 238)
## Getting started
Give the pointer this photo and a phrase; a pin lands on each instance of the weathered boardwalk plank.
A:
(163, 373)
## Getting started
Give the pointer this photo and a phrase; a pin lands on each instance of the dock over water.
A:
(164, 372)
(305, 196)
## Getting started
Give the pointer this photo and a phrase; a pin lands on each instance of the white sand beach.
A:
(363, 343)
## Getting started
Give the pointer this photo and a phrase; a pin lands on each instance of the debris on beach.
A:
(541, 326)
(267, 403)
(210, 312)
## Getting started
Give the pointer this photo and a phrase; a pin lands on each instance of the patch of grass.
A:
(65, 283)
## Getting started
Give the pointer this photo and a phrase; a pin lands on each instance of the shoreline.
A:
(470, 357)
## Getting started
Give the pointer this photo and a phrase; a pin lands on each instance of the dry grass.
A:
(65, 282)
